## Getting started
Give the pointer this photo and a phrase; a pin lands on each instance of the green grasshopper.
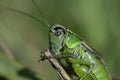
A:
(79, 60)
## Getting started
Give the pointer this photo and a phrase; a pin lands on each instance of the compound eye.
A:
(57, 33)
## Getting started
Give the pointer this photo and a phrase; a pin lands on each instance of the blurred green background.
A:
(22, 38)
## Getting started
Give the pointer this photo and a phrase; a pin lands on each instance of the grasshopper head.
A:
(56, 38)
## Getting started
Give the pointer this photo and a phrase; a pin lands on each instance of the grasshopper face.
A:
(56, 38)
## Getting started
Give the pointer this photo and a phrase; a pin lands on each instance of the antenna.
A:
(40, 12)
(23, 13)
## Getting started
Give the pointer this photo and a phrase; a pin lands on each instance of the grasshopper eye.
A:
(57, 33)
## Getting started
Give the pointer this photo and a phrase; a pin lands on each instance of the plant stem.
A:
(56, 64)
